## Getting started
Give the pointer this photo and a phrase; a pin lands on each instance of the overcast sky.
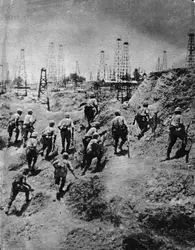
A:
(85, 27)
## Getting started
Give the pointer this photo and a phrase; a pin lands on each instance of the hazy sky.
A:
(85, 27)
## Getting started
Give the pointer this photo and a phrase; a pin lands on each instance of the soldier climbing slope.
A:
(28, 126)
(66, 127)
(31, 151)
(48, 139)
(94, 149)
(19, 185)
(119, 130)
(13, 125)
(176, 130)
(61, 167)
(91, 108)
(142, 117)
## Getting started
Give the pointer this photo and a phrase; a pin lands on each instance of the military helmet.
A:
(65, 155)
(95, 135)
(145, 104)
(19, 110)
(117, 112)
(92, 95)
(67, 115)
(177, 110)
(34, 134)
(51, 123)
(96, 124)
(25, 171)
(30, 111)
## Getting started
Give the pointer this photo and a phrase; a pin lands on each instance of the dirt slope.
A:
(136, 203)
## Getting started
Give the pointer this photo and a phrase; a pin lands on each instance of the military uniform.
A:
(29, 121)
(92, 151)
(48, 140)
(88, 136)
(91, 108)
(19, 185)
(31, 152)
(61, 167)
(66, 127)
(176, 130)
(143, 117)
(119, 131)
(13, 125)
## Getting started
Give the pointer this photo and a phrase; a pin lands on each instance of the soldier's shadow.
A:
(100, 167)
(181, 152)
(122, 152)
(19, 213)
(17, 144)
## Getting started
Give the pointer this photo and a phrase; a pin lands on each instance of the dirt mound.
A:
(86, 198)
(38, 203)
(167, 186)
(176, 222)
(15, 159)
(98, 239)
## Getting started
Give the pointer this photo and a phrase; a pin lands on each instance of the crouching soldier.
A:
(142, 118)
(88, 136)
(93, 150)
(31, 151)
(61, 167)
(176, 130)
(66, 127)
(119, 130)
(28, 126)
(13, 125)
(19, 185)
(48, 139)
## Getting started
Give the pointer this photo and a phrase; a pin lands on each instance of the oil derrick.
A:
(101, 75)
(51, 65)
(158, 66)
(43, 89)
(125, 61)
(118, 60)
(60, 66)
(77, 70)
(91, 76)
(191, 44)
(22, 82)
(164, 61)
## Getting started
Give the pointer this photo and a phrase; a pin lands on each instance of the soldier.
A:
(48, 139)
(31, 151)
(61, 167)
(88, 136)
(176, 130)
(91, 108)
(19, 185)
(28, 124)
(142, 118)
(93, 150)
(66, 127)
(13, 125)
(119, 130)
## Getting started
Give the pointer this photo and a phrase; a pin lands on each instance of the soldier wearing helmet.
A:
(66, 127)
(119, 130)
(48, 139)
(142, 118)
(28, 126)
(91, 108)
(93, 150)
(88, 136)
(61, 167)
(176, 130)
(31, 151)
(13, 125)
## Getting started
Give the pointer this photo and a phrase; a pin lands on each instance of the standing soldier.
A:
(119, 130)
(19, 185)
(13, 125)
(31, 151)
(61, 167)
(176, 130)
(143, 117)
(91, 108)
(93, 150)
(66, 127)
(48, 139)
(28, 124)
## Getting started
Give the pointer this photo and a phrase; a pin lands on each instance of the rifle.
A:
(128, 146)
